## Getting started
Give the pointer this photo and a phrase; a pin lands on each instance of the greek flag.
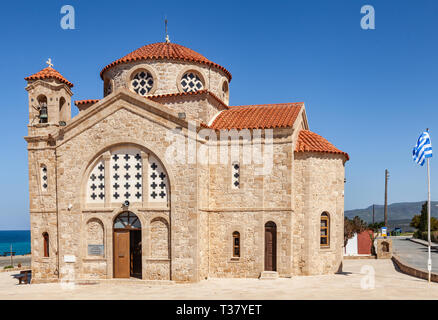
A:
(423, 149)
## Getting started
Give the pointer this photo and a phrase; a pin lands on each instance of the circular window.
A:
(191, 82)
(142, 83)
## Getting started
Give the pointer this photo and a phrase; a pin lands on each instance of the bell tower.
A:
(49, 100)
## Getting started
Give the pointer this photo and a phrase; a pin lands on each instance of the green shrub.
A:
(417, 234)
(7, 267)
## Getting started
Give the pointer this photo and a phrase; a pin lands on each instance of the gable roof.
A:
(165, 50)
(309, 141)
(49, 73)
(282, 115)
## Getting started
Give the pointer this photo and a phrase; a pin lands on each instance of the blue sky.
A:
(370, 92)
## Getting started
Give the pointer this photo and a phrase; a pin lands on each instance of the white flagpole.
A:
(429, 261)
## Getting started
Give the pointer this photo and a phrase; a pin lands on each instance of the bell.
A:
(43, 113)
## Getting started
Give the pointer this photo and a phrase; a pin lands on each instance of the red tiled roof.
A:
(309, 141)
(88, 101)
(163, 50)
(281, 115)
(49, 73)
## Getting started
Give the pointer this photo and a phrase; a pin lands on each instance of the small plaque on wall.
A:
(95, 249)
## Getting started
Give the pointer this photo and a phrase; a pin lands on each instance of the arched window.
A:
(225, 92)
(42, 108)
(325, 230)
(108, 87)
(46, 244)
(191, 82)
(236, 244)
(142, 83)
(62, 109)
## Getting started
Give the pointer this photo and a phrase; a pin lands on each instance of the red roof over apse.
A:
(309, 141)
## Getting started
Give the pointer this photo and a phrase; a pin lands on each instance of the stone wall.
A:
(192, 237)
(251, 227)
(167, 75)
(318, 188)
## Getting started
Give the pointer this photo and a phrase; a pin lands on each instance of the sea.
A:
(19, 239)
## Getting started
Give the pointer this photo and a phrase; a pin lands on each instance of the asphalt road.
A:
(414, 254)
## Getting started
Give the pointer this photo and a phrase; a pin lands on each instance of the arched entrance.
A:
(270, 246)
(127, 246)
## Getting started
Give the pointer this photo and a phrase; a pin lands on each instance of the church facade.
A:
(135, 185)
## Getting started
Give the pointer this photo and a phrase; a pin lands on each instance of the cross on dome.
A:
(167, 35)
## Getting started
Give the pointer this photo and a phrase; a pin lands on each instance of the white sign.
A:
(384, 230)
(69, 258)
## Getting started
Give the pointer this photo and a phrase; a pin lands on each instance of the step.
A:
(269, 275)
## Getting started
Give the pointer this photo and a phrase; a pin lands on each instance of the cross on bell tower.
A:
(49, 63)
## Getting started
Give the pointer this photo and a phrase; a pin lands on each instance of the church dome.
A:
(165, 50)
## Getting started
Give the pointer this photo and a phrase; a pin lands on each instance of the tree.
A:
(376, 226)
(352, 227)
(419, 221)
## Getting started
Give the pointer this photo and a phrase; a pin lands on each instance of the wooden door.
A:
(270, 247)
(121, 254)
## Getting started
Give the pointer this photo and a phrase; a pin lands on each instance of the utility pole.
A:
(386, 197)
(373, 213)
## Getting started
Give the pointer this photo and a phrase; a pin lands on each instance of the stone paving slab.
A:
(388, 284)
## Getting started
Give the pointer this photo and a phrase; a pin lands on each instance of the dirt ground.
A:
(361, 279)
(6, 261)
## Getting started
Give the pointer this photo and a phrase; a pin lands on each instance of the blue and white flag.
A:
(423, 149)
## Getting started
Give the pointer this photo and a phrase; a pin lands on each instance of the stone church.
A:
(109, 200)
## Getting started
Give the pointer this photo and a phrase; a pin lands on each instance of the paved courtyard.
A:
(389, 284)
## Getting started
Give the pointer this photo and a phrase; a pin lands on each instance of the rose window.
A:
(190, 82)
(142, 83)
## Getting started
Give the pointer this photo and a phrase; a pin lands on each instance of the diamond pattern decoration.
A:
(126, 175)
(142, 83)
(43, 175)
(158, 181)
(190, 82)
(235, 176)
(96, 184)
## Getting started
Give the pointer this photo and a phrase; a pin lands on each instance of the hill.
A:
(398, 213)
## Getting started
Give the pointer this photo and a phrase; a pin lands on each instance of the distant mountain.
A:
(396, 211)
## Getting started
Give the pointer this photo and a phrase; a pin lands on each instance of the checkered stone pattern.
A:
(44, 182)
(96, 184)
(126, 175)
(235, 176)
(158, 181)
(190, 82)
